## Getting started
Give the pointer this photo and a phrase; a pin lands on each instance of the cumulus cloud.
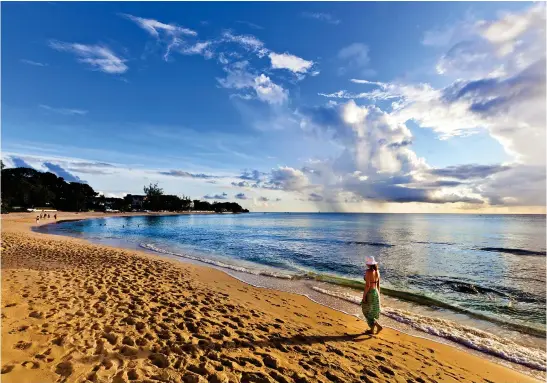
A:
(216, 196)
(252, 175)
(290, 62)
(522, 185)
(97, 56)
(240, 196)
(499, 87)
(268, 91)
(287, 178)
(377, 163)
(65, 111)
(263, 199)
(321, 16)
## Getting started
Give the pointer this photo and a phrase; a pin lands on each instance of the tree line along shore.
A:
(25, 189)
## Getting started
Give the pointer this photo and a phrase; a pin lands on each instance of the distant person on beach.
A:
(48, 216)
(55, 216)
(37, 219)
(371, 296)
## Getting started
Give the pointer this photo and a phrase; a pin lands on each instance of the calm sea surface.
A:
(438, 256)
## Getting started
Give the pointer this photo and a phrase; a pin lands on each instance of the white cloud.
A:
(97, 56)
(500, 89)
(30, 62)
(513, 25)
(248, 42)
(172, 35)
(268, 91)
(287, 178)
(377, 163)
(496, 47)
(199, 48)
(65, 111)
(287, 61)
(325, 17)
(216, 196)
(155, 27)
(239, 77)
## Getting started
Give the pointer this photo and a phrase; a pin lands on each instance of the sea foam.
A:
(209, 261)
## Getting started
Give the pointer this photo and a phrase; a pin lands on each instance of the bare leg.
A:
(378, 326)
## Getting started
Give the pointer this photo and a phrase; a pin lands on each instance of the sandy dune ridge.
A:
(78, 312)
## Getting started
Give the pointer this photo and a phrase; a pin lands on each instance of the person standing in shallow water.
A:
(371, 296)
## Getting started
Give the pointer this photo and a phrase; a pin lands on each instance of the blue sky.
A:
(220, 90)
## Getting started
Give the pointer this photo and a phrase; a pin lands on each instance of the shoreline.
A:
(351, 285)
(23, 225)
(479, 342)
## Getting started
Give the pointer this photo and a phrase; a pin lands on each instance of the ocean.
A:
(484, 275)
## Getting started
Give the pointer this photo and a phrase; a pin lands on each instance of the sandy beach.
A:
(77, 312)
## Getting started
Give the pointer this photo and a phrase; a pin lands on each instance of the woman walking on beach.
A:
(371, 296)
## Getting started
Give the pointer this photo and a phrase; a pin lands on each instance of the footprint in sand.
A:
(22, 345)
(31, 365)
(6, 369)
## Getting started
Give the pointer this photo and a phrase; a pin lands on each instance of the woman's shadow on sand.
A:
(299, 339)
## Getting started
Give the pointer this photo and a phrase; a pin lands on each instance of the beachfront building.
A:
(41, 209)
(137, 201)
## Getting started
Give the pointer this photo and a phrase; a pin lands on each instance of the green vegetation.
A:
(25, 188)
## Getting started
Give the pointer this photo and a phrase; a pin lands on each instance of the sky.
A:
(308, 106)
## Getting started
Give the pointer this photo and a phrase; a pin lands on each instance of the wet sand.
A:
(77, 312)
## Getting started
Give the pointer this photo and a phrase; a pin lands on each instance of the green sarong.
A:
(371, 308)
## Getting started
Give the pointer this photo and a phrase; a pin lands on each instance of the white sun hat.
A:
(371, 261)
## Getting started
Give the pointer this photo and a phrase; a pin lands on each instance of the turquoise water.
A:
(471, 263)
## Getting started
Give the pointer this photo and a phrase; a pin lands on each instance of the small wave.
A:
(472, 288)
(377, 244)
(464, 335)
(513, 251)
(434, 243)
(152, 247)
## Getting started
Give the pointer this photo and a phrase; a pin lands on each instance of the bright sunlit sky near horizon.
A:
(395, 107)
